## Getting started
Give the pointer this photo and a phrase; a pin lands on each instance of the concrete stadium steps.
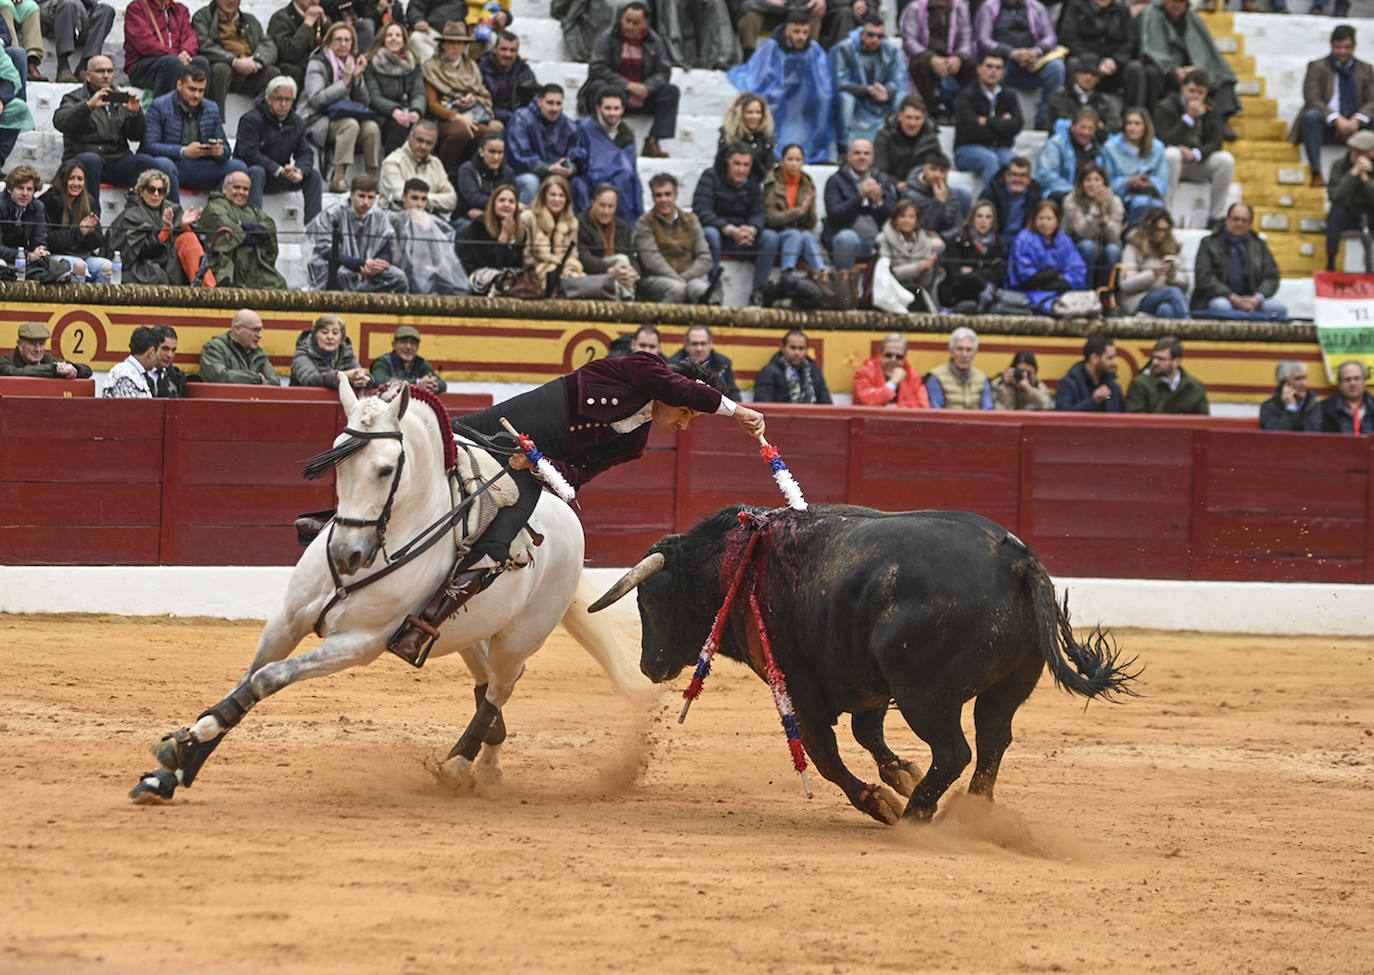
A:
(1273, 172)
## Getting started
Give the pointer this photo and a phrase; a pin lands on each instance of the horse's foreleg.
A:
(181, 754)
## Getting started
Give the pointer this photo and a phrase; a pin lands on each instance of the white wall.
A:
(254, 592)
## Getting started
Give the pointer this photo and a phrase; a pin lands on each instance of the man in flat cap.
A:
(1351, 192)
(31, 357)
(404, 362)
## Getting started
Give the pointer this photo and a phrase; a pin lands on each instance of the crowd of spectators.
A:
(324, 357)
(1134, 99)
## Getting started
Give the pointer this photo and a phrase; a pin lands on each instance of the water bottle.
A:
(20, 266)
(116, 270)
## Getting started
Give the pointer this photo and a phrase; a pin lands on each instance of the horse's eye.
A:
(386, 472)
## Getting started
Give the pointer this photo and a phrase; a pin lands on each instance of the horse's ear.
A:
(405, 402)
(347, 397)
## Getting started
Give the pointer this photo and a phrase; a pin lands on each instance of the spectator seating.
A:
(1269, 53)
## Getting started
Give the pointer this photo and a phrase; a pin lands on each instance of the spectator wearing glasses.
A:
(97, 123)
(237, 356)
(154, 237)
(416, 160)
(887, 379)
(272, 142)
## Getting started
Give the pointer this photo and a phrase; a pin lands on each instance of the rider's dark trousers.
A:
(542, 414)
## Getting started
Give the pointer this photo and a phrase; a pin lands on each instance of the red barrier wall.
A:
(206, 481)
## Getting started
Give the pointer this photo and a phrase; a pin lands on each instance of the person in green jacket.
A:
(237, 356)
(404, 362)
(31, 358)
(1164, 386)
(242, 238)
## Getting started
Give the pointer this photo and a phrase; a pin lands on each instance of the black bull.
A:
(864, 608)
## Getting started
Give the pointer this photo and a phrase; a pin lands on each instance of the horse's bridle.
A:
(380, 522)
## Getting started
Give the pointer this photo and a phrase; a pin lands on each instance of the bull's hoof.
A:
(455, 775)
(902, 776)
(880, 803)
(155, 788)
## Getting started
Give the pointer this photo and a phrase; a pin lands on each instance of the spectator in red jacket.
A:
(158, 42)
(887, 379)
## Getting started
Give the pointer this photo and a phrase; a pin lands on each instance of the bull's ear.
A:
(347, 398)
(652, 563)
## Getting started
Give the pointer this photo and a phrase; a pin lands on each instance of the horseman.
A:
(585, 422)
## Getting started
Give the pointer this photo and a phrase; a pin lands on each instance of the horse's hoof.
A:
(170, 752)
(487, 774)
(455, 775)
(155, 788)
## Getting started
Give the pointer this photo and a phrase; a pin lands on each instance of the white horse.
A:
(391, 485)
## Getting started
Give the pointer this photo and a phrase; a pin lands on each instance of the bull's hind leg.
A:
(895, 771)
(992, 714)
(938, 727)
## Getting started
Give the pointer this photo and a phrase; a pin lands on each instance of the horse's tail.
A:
(1097, 669)
(612, 638)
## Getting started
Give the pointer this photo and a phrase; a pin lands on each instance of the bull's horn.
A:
(651, 564)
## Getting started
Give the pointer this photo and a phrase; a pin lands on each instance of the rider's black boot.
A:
(412, 642)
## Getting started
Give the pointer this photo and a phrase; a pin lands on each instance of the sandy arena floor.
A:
(1223, 823)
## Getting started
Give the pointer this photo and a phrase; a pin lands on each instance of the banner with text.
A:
(1345, 319)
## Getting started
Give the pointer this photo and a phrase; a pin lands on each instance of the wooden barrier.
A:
(61, 388)
(456, 403)
(216, 481)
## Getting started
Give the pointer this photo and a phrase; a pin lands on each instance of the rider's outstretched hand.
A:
(751, 421)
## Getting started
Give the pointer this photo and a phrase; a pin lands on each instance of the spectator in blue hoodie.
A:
(539, 138)
(184, 126)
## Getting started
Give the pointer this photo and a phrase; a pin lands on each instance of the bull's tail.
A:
(1092, 668)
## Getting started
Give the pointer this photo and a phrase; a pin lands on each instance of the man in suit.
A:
(585, 423)
(1338, 100)
(171, 381)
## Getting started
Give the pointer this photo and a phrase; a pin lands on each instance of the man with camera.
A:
(185, 128)
(97, 122)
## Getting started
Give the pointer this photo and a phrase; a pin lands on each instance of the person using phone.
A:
(1154, 282)
(184, 126)
(97, 126)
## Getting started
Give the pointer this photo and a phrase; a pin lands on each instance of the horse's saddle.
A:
(471, 468)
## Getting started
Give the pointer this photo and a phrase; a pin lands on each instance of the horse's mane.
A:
(370, 409)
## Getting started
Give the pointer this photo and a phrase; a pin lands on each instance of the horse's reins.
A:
(404, 555)
(381, 520)
(407, 553)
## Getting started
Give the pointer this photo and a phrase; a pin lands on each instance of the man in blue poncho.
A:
(869, 77)
(538, 140)
(792, 74)
(603, 151)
